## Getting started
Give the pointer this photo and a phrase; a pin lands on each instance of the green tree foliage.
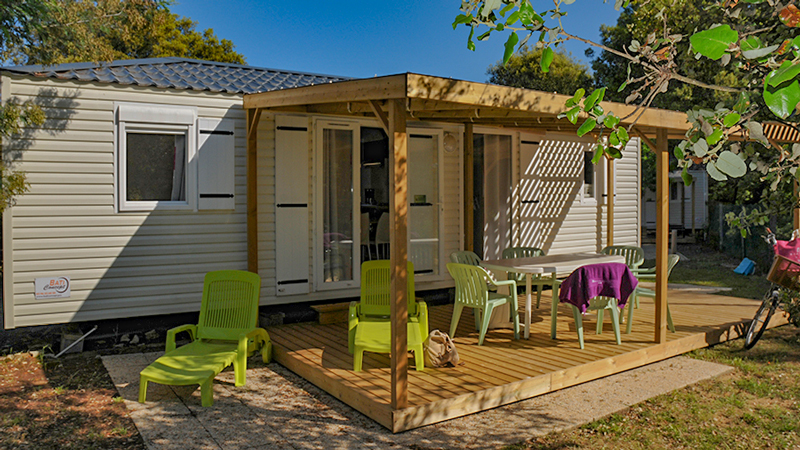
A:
(106, 30)
(523, 69)
(638, 21)
(177, 37)
(635, 23)
(730, 64)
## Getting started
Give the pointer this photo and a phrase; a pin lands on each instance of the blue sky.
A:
(369, 38)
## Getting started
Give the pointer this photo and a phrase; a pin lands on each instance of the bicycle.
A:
(784, 274)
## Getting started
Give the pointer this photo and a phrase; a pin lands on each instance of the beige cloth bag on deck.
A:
(440, 350)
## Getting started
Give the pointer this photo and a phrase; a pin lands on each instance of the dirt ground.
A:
(68, 403)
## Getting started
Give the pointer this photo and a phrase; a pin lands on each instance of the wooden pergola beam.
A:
(381, 88)
(480, 94)
(428, 93)
(398, 253)
(380, 115)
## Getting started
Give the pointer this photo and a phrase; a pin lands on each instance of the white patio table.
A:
(543, 265)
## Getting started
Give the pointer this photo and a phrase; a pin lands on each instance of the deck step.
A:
(332, 312)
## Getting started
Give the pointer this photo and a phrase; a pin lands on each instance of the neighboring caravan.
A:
(688, 205)
(138, 189)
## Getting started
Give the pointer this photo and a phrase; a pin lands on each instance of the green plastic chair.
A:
(472, 292)
(369, 326)
(634, 257)
(465, 257)
(536, 280)
(599, 304)
(672, 261)
(225, 334)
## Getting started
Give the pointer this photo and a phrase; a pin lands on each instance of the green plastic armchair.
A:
(472, 292)
(672, 261)
(634, 257)
(536, 280)
(369, 326)
(225, 334)
(465, 257)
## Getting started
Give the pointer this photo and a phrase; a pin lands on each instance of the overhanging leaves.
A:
(547, 59)
(510, 44)
(782, 100)
(784, 73)
(711, 168)
(713, 42)
(731, 164)
(587, 126)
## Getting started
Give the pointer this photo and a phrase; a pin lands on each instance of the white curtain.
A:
(496, 195)
(179, 170)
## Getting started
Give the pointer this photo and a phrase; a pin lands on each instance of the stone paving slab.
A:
(279, 410)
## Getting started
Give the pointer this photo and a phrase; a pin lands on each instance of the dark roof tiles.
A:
(180, 73)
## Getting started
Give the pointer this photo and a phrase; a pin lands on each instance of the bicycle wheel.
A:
(761, 319)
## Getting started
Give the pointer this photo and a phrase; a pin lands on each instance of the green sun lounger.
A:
(226, 334)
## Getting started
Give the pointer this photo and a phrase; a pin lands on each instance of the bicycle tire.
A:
(765, 312)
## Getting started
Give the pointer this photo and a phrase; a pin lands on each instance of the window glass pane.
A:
(155, 167)
(337, 204)
(492, 195)
(588, 175)
(374, 194)
(423, 196)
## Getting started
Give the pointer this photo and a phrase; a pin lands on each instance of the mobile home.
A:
(139, 185)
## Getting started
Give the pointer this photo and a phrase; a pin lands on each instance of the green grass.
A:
(757, 406)
(705, 267)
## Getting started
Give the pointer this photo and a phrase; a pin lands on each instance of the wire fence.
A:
(730, 241)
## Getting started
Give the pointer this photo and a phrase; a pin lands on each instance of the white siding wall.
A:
(565, 224)
(120, 264)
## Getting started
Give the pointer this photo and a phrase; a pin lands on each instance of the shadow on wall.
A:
(549, 187)
(58, 109)
(148, 263)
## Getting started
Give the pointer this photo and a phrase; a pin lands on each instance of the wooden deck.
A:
(504, 370)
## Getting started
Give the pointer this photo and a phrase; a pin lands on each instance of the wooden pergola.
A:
(396, 99)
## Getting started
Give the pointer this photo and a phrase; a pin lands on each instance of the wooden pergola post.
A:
(795, 209)
(610, 200)
(469, 186)
(253, 117)
(398, 254)
(662, 233)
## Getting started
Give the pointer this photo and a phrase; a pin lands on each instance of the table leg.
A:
(528, 305)
(554, 308)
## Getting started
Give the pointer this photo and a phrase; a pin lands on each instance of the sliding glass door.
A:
(425, 207)
(352, 197)
(336, 188)
(492, 195)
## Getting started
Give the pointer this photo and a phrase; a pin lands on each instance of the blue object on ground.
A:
(746, 267)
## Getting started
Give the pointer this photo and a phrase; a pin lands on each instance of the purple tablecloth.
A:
(607, 279)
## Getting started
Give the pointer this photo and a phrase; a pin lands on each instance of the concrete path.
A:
(279, 410)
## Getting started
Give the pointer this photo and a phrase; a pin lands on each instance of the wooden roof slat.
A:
(454, 101)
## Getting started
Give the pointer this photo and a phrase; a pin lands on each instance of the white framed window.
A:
(155, 163)
(591, 187)
(594, 189)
